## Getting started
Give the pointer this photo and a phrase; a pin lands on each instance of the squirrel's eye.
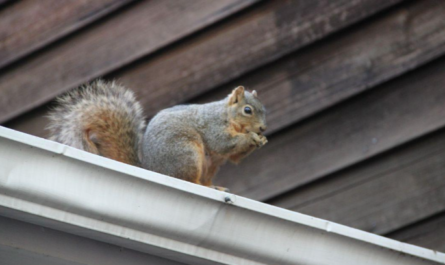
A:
(247, 110)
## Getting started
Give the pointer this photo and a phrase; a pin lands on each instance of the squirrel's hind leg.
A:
(195, 166)
(212, 168)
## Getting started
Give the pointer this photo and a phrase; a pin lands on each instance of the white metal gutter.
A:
(56, 186)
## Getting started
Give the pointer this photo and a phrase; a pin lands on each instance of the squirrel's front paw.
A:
(259, 140)
(263, 140)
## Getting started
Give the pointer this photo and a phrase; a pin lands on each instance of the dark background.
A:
(355, 91)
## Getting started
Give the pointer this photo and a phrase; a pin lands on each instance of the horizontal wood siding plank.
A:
(33, 122)
(372, 123)
(3, 2)
(159, 82)
(347, 64)
(29, 25)
(240, 45)
(429, 233)
(380, 195)
(137, 31)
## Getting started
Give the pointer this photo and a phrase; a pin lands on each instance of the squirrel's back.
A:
(103, 118)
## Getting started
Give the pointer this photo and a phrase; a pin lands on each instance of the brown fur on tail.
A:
(103, 118)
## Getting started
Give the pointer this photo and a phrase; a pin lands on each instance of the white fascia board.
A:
(51, 184)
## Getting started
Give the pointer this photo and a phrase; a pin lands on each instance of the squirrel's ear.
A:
(254, 93)
(237, 95)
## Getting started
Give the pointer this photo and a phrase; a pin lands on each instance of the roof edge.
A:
(169, 217)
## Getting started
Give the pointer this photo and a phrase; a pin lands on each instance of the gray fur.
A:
(189, 142)
(166, 146)
(68, 119)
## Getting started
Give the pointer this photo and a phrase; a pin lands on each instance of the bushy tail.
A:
(103, 118)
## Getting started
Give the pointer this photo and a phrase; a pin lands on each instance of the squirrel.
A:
(189, 142)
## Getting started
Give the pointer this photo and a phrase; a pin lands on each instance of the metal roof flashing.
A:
(53, 185)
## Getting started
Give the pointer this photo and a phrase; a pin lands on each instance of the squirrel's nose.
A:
(263, 128)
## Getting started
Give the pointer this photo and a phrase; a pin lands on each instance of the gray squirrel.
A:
(189, 142)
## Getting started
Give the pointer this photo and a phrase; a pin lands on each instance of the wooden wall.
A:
(355, 91)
